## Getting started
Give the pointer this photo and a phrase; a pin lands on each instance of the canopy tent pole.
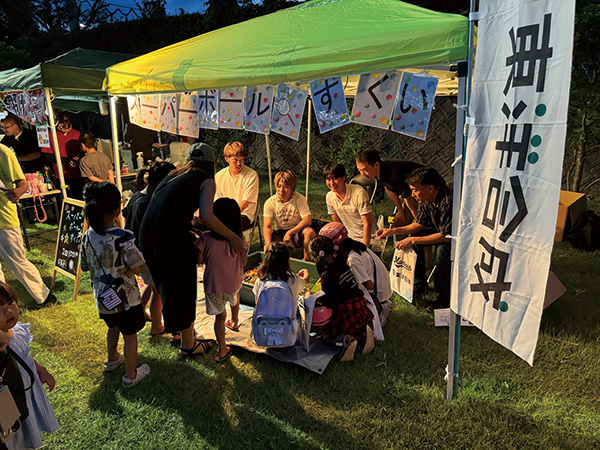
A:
(115, 141)
(465, 74)
(308, 146)
(269, 163)
(61, 175)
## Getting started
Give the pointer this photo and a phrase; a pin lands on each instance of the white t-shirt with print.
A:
(109, 257)
(355, 204)
(240, 187)
(289, 214)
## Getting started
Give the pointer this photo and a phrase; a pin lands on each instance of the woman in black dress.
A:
(168, 246)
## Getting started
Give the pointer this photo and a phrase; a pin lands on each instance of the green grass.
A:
(393, 398)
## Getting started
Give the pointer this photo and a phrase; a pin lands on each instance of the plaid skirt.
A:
(350, 317)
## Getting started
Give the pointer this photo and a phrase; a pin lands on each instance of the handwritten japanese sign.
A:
(168, 112)
(134, 106)
(208, 108)
(288, 110)
(374, 99)
(414, 105)
(329, 103)
(149, 113)
(231, 108)
(188, 114)
(259, 102)
(513, 168)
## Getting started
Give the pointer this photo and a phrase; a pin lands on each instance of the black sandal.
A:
(175, 339)
(189, 353)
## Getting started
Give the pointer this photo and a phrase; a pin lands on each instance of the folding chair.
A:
(255, 224)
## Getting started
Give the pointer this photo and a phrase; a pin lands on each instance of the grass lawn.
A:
(392, 398)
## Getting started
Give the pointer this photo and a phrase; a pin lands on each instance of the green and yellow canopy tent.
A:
(317, 39)
(71, 81)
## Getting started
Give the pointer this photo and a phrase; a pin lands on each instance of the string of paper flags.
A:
(400, 100)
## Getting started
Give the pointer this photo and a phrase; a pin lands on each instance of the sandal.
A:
(189, 353)
(110, 366)
(229, 324)
(369, 341)
(175, 339)
(350, 345)
(227, 355)
(140, 373)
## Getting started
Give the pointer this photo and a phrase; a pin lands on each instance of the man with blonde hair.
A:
(238, 182)
(290, 213)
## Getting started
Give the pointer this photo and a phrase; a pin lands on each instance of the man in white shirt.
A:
(291, 214)
(238, 182)
(349, 204)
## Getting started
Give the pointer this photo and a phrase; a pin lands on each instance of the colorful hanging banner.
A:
(288, 110)
(513, 168)
(259, 103)
(29, 106)
(374, 99)
(134, 106)
(329, 103)
(231, 108)
(168, 112)
(149, 112)
(208, 108)
(414, 104)
(188, 114)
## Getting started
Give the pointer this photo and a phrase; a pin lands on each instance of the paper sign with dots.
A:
(134, 106)
(187, 125)
(329, 103)
(231, 108)
(374, 101)
(414, 104)
(168, 112)
(149, 112)
(288, 109)
(258, 107)
(208, 109)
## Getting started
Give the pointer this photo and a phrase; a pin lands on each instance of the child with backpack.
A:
(351, 318)
(224, 272)
(111, 257)
(24, 377)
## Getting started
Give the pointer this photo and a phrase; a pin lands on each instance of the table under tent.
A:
(72, 81)
(313, 41)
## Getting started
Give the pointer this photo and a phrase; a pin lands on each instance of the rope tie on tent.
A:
(477, 15)
(469, 121)
(457, 160)
(457, 106)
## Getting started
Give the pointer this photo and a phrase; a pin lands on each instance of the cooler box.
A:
(570, 206)
(254, 259)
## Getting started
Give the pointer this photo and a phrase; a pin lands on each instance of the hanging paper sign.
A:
(29, 106)
(134, 105)
(414, 104)
(288, 110)
(168, 112)
(188, 114)
(231, 108)
(208, 108)
(149, 111)
(329, 103)
(42, 135)
(374, 101)
(259, 101)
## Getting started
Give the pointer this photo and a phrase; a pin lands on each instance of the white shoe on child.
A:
(140, 373)
(110, 366)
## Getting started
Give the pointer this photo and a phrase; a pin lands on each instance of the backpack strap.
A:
(23, 364)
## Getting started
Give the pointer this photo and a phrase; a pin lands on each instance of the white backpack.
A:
(275, 322)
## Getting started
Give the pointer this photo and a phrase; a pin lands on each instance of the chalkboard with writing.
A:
(70, 233)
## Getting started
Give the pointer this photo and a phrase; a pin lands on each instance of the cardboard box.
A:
(570, 206)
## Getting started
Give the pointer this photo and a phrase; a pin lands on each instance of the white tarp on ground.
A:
(513, 168)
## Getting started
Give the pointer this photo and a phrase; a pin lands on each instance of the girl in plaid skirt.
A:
(351, 317)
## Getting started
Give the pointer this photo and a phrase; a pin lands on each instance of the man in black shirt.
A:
(392, 174)
(24, 143)
(434, 213)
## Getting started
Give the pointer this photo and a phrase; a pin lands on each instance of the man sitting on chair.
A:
(238, 182)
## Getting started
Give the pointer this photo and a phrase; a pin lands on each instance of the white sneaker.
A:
(140, 373)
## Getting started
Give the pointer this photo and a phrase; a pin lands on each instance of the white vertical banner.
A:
(513, 168)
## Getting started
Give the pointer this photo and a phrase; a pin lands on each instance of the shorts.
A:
(297, 238)
(215, 303)
(129, 322)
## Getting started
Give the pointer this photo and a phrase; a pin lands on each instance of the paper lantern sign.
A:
(149, 111)
(414, 105)
(208, 109)
(374, 101)
(329, 103)
(288, 110)
(188, 114)
(259, 100)
(168, 112)
(231, 108)
(134, 105)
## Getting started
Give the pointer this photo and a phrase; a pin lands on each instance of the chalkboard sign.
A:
(70, 233)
